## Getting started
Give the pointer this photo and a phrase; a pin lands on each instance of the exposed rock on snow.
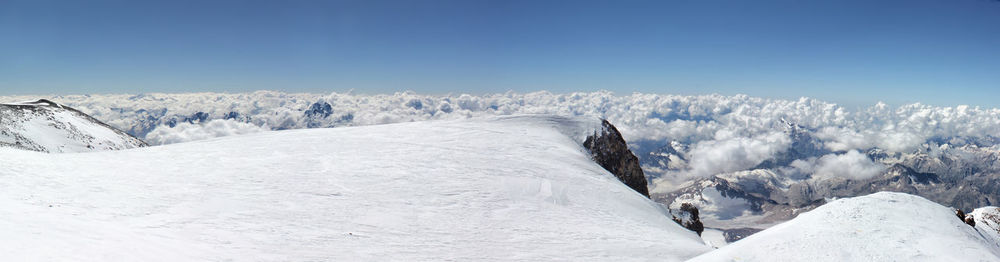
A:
(687, 216)
(50, 127)
(734, 234)
(609, 149)
(966, 218)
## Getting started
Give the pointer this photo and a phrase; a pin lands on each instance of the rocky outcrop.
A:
(735, 234)
(608, 149)
(319, 110)
(968, 219)
(687, 217)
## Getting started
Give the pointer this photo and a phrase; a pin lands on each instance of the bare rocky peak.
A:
(608, 149)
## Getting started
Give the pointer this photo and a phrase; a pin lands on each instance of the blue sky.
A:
(851, 52)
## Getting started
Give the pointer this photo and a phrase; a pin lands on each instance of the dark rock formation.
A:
(688, 218)
(608, 149)
(199, 117)
(966, 218)
(319, 110)
(732, 235)
(970, 220)
(316, 113)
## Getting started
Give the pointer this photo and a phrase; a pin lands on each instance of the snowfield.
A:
(502, 188)
(878, 227)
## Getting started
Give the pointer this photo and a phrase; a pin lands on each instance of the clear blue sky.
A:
(941, 52)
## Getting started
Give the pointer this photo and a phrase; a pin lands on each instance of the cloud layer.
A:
(185, 132)
(723, 133)
(724, 155)
(851, 165)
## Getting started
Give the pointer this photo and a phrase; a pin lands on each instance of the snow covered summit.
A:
(50, 127)
(878, 227)
(503, 188)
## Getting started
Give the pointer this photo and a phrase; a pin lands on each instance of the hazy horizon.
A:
(847, 106)
(849, 52)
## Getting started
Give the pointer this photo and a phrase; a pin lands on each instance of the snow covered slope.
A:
(507, 188)
(878, 227)
(49, 127)
(988, 222)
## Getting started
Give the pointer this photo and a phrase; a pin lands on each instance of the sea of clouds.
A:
(723, 133)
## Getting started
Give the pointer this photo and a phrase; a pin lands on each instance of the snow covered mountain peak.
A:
(46, 126)
(883, 226)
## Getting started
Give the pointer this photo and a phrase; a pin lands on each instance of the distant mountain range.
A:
(963, 176)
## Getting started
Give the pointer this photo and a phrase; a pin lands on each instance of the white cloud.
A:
(186, 132)
(843, 139)
(721, 134)
(852, 165)
(652, 117)
(735, 153)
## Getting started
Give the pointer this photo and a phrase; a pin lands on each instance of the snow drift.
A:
(504, 188)
(878, 227)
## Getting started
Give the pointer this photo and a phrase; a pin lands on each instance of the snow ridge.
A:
(883, 226)
(46, 126)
